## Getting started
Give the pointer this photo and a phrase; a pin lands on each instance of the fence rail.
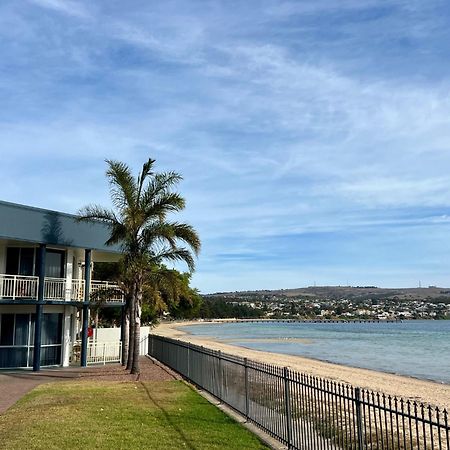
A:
(306, 412)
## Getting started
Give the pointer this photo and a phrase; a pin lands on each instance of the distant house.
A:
(46, 261)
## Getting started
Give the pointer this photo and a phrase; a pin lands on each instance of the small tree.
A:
(139, 223)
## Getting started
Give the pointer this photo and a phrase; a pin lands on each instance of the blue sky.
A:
(313, 135)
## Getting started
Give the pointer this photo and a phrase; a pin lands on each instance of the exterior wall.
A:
(2, 257)
(24, 309)
(113, 335)
(68, 333)
(23, 226)
(69, 272)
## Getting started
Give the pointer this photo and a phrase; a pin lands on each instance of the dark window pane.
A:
(54, 264)
(12, 261)
(51, 329)
(26, 261)
(32, 329)
(7, 329)
(13, 357)
(21, 337)
(51, 356)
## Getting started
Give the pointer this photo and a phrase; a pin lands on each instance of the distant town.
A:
(335, 302)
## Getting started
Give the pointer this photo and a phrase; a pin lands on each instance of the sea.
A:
(419, 349)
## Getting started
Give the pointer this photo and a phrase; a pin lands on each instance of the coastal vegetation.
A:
(219, 308)
(106, 415)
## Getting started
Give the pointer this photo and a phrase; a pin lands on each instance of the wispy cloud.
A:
(71, 8)
(309, 140)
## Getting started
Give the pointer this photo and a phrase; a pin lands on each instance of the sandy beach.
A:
(409, 388)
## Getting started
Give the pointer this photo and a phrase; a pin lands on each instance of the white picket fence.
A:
(111, 352)
(104, 352)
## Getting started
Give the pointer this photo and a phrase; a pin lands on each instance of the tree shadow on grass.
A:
(171, 422)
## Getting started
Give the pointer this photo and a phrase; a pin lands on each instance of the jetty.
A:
(234, 320)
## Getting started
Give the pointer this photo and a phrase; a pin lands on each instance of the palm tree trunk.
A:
(131, 333)
(126, 334)
(135, 368)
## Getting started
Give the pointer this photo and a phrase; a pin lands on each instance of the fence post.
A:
(246, 388)
(104, 353)
(359, 422)
(287, 403)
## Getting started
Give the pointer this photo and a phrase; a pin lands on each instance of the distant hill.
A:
(341, 292)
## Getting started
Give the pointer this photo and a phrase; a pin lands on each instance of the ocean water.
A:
(419, 349)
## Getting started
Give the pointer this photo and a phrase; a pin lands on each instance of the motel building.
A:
(46, 262)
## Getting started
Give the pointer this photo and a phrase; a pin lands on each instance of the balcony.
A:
(20, 287)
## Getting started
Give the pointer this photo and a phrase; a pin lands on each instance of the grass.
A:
(114, 415)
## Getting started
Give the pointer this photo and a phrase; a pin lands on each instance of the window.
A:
(17, 339)
(24, 261)
(7, 329)
(20, 261)
(54, 264)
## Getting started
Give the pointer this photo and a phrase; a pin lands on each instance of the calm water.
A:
(416, 348)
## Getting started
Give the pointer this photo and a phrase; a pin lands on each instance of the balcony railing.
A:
(18, 287)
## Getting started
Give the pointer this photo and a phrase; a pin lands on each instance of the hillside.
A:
(432, 293)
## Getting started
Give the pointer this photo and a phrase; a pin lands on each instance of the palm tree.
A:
(139, 223)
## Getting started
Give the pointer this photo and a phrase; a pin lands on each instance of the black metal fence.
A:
(305, 412)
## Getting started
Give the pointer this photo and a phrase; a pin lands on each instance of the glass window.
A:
(7, 329)
(12, 260)
(21, 332)
(26, 266)
(51, 329)
(33, 319)
(54, 264)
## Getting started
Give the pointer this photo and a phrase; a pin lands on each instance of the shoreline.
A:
(414, 389)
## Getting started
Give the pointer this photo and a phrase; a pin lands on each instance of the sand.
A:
(429, 392)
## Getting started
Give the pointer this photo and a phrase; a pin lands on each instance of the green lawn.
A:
(101, 415)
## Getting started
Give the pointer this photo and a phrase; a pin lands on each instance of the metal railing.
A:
(306, 412)
(55, 288)
(62, 289)
(115, 294)
(18, 286)
(113, 290)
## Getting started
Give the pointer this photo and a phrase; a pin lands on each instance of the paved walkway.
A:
(15, 384)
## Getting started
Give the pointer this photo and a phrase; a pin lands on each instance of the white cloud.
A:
(278, 126)
(70, 8)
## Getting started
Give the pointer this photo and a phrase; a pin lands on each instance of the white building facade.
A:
(46, 262)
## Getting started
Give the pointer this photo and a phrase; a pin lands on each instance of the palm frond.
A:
(180, 254)
(162, 205)
(187, 234)
(146, 171)
(118, 234)
(122, 183)
(158, 232)
(160, 184)
(96, 213)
